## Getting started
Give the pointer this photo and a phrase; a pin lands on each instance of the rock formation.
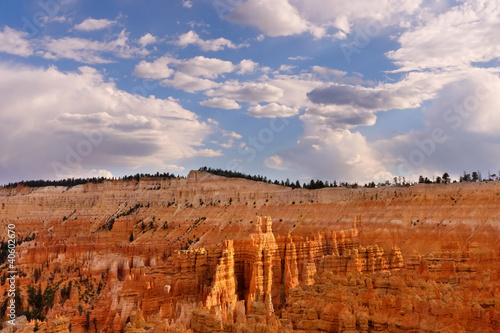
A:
(202, 254)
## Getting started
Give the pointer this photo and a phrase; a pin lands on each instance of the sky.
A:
(334, 90)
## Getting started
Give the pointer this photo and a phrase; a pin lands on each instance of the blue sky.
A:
(357, 91)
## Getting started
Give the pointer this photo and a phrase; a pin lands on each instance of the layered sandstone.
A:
(194, 254)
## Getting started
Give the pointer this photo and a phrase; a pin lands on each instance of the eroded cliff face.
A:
(202, 254)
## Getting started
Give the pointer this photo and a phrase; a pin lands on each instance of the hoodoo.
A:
(203, 254)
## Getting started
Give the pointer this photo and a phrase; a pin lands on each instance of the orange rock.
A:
(201, 259)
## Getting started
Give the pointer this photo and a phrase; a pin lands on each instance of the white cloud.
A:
(204, 67)
(188, 83)
(78, 49)
(221, 103)
(299, 58)
(295, 89)
(230, 137)
(331, 148)
(154, 70)
(196, 67)
(57, 19)
(218, 44)
(274, 162)
(451, 39)
(231, 134)
(14, 42)
(328, 72)
(147, 39)
(192, 74)
(272, 110)
(461, 131)
(290, 17)
(77, 121)
(88, 51)
(91, 24)
(247, 92)
(274, 18)
(187, 3)
(247, 66)
(323, 153)
(285, 68)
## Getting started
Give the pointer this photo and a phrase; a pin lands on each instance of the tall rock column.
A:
(222, 292)
(264, 249)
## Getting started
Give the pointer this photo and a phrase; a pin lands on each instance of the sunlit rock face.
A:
(211, 254)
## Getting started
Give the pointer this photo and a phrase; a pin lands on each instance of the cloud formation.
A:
(15, 42)
(221, 103)
(61, 132)
(272, 110)
(91, 24)
(192, 38)
(456, 38)
(322, 18)
(78, 49)
(274, 18)
(147, 39)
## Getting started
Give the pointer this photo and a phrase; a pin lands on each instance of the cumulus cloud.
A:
(274, 18)
(157, 69)
(191, 75)
(147, 39)
(272, 110)
(290, 17)
(197, 67)
(247, 92)
(91, 24)
(331, 147)
(55, 124)
(187, 3)
(247, 66)
(460, 133)
(188, 83)
(450, 39)
(324, 153)
(408, 93)
(221, 103)
(192, 38)
(14, 42)
(204, 67)
(328, 72)
(342, 118)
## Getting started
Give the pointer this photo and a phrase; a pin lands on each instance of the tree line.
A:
(312, 185)
(474, 176)
(70, 182)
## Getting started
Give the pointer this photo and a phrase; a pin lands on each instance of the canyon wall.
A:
(202, 254)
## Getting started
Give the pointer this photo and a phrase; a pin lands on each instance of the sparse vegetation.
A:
(108, 225)
(130, 211)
